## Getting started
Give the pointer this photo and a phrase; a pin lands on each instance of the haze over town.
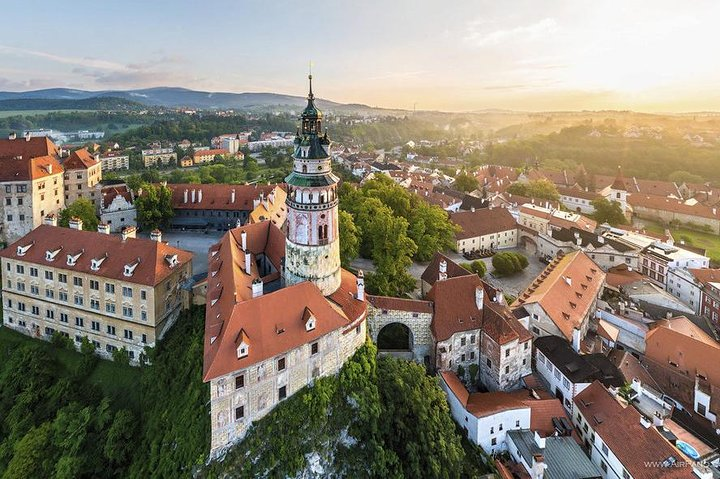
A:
(522, 55)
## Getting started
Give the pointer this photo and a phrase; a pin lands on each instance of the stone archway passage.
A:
(395, 337)
(529, 244)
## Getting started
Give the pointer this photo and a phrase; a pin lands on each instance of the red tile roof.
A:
(217, 196)
(620, 426)
(20, 147)
(500, 324)
(401, 304)
(673, 205)
(152, 269)
(481, 404)
(455, 308)
(79, 160)
(230, 307)
(109, 193)
(706, 275)
(26, 169)
(217, 151)
(566, 304)
(483, 221)
(542, 412)
(432, 272)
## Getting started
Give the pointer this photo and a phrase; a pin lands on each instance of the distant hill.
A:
(171, 97)
(96, 103)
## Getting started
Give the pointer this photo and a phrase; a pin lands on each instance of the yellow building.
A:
(118, 291)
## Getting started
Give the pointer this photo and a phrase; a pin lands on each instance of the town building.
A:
(158, 157)
(577, 199)
(440, 267)
(485, 229)
(31, 185)
(186, 162)
(116, 206)
(657, 258)
(208, 156)
(563, 298)
(567, 373)
(606, 252)
(82, 173)
(688, 285)
(543, 219)
(623, 443)
(114, 161)
(224, 206)
(118, 291)
(280, 310)
(556, 457)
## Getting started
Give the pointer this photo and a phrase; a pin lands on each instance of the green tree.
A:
(33, 456)
(465, 182)
(478, 267)
(120, 441)
(82, 208)
(473, 371)
(680, 176)
(154, 206)
(349, 238)
(508, 263)
(541, 189)
(461, 371)
(121, 356)
(608, 212)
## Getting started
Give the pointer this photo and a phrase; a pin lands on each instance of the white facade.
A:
(681, 284)
(559, 384)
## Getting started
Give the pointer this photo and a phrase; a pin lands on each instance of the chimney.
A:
(257, 288)
(49, 169)
(472, 209)
(200, 195)
(128, 232)
(443, 270)
(50, 219)
(232, 196)
(271, 197)
(668, 314)
(75, 223)
(539, 441)
(601, 239)
(12, 136)
(243, 239)
(578, 241)
(156, 235)
(192, 195)
(714, 211)
(479, 297)
(185, 196)
(103, 228)
(360, 285)
(538, 466)
(247, 263)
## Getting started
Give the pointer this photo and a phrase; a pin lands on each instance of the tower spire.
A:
(310, 95)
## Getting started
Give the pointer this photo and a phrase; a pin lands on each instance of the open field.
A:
(698, 239)
(5, 114)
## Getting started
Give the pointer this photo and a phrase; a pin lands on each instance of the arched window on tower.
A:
(322, 232)
(304, 169)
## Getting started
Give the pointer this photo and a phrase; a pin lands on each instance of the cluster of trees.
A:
(508, 263)
(478, 267)
(73, 121)
(465, 182)
(82, 208)
(380, 417)
(65, 414)
(542, 189)
(391, 226)
(154, 206)
(607, 211)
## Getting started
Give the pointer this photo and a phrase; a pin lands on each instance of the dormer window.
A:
(172, 260)
(95, 263)
(51, 255)
(21, 250)
(243, 344)
(72, 258)
(130, 268)
(309, 319)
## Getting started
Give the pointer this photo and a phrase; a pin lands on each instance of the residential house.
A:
(485, 229)
(208, 156)
(606, 252)
(158, 157)
(82, 173)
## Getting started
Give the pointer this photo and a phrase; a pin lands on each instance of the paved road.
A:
(196, 242)
(512, 285)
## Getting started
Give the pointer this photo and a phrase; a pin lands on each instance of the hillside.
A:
(96, 103)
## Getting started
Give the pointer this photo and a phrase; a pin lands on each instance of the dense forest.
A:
(97, 103)
(65, 414)
(108, 121)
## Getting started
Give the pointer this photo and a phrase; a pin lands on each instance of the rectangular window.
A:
(34, 289)
(144, 338)
(62, 296)
(489, 363)
(34, 272)
(95, 304)
(143, 295)
(127, 312)
(94, 285)
(20, 286)
(604, 449)
(282, 393)
(20, 269)
(62, 278)
(77, 281)
(462, 341)
(109, 288)
(128, 334)
(127, 292)
(472, 339)
(281, 364)
(111, 330)
(35, 310)
(79, 322)
(314, 348)
(109, 308)
(49, 293)
(95, 325)
(50, 314)
(143, 315)
(240, 381)
(239, 412)
(79, 300)
(507, 353)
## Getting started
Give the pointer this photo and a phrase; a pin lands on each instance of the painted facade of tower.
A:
(312, 248)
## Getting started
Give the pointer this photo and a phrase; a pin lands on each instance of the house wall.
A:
(461, 348)
(682, 285)
(38, 197)
(418, 323)
(80, 183)
(668, 216)
(557, 381)
(500, 240)
(609, 465)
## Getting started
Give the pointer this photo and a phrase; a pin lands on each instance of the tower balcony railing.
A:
(312, 206)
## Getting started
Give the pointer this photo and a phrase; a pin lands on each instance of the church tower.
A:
(312, 248)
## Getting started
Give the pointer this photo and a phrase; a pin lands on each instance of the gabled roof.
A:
(501, 325)
(79, 160)
(620, 426)
(153, 255)
(589, 238)
(566, 289)
(432, 271)
(455, 307)
(218, 196)
(482, 222)
(578, 368)
(619, 183)
(33, 148)
(481, 404)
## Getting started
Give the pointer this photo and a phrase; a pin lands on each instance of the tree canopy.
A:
(608, 212)
(542, 189)
(508, 263)
(81, 208)
(154, 206)
(465, 182)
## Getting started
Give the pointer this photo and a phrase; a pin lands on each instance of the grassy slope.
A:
(117, 381)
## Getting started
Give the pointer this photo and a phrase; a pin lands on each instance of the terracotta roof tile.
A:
(79, 160)
(20, 147)
(217, 196)
(482, 222)
(619, 426)
(432, 272)
(400, 304)
(151, 270)
(455, 307)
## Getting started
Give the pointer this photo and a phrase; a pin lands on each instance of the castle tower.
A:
(312, 248)
(618, 191)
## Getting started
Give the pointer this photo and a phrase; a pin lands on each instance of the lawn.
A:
(120, 383)
(698, 239)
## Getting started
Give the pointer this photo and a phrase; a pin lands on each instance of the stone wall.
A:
(319, 264)
(418, 323)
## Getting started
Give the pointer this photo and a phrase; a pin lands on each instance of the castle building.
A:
(280, 311)
(82, 173)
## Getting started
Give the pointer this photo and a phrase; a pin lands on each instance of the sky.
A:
(452, 55)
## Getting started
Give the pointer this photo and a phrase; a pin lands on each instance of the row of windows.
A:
(79, 322)
(280, 366)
